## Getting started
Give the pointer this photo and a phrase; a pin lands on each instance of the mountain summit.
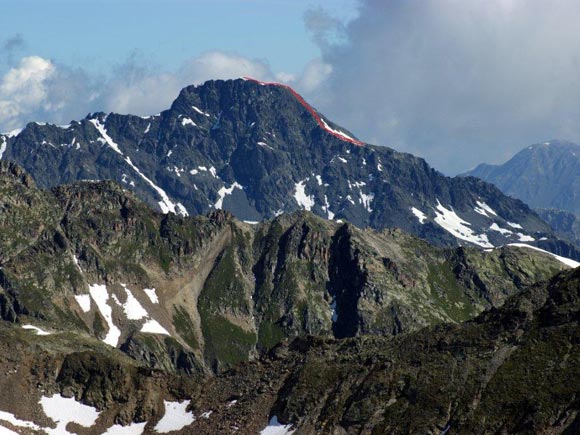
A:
(544, 175)
(259, 150)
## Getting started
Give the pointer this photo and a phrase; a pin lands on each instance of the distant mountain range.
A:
(259, 150)
(544, 175)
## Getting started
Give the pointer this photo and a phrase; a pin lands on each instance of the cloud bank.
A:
(456, 81)
(38, 89)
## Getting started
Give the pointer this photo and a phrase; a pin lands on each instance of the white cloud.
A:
(23, 89)
(135, 89)
(39, 90)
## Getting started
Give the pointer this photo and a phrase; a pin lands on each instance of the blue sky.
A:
(96, 34)
(458, 82)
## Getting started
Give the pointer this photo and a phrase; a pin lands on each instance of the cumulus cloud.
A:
(455, 81)
(23, 89)
(37, 89)
(135, 88)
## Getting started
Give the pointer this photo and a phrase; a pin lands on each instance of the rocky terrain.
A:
(510, 370)
(258, 150)
(140, 318)
(287, 279)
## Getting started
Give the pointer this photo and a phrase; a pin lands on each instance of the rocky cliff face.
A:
(510, 370)
(507, 371)
(259, 150)
(198, 294)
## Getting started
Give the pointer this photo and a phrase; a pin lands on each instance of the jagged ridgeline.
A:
(114, 315)
(259, 150)
(198, 294)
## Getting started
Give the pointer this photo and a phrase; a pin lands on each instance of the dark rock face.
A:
(257, 151)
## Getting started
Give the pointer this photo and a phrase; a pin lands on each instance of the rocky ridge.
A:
(258, 150)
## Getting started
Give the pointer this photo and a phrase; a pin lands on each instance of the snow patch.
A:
(303, 200)
(188, 121)
(153, 327)
(276, 428)
(84, 302)
(201, 112)
(165, 204)
(419, 215)
(133, 309)
(2, 147)
(63, 410)
(35, 329)
(14, 421)
(459, 228)
(484, 209)
(152, 295)
(131, 429)
(340, 133)
(223, 192)
(518, 226)
(105, 136)
(496, 227)
(175, 418)
(13, 133)
(525, 238)
(366, 200)
(100, 295)
(326, 208)
(76, 261)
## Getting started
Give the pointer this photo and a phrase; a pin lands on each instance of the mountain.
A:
(92, 258)
(564, 223)
(259, 150)
(507, 371)
(125, 315)
(510, 370)
(545, 175)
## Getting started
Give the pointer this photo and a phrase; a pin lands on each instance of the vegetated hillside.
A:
(258, 150)
(510, 370)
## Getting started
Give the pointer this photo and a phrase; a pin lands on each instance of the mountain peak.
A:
(258, 149)
(544, 175)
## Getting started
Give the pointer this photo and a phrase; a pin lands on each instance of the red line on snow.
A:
(313, 112)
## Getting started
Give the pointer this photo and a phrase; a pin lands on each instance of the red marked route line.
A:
(317, 118)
